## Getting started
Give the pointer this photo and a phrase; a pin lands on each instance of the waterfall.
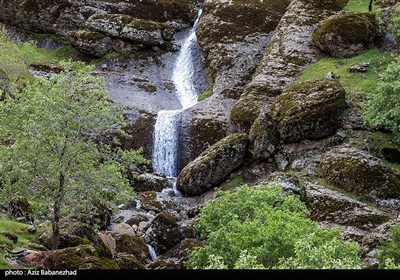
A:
(166, 127)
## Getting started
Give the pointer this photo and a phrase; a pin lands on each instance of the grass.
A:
(208, 92)
(18, 229)
(352, 82)
(359, 6)
(233, 182)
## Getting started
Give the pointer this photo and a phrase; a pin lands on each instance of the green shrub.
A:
(389, 255)
(382, 105)
(264, 228)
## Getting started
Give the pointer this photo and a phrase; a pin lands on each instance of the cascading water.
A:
(166, 127)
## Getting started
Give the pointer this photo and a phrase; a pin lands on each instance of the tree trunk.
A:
(370, 5)
(56, 225)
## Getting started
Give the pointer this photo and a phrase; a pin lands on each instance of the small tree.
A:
(53, 157)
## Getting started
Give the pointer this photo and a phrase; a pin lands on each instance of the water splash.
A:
(152, 252)
(165, 152)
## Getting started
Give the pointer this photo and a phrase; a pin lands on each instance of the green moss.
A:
(209, 91)
(234, 181)
(352, 82)
(359, 6)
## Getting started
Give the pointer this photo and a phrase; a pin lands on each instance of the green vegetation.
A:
(15, 229)
(389, 255)
(352, 82)
(394, 25)
(359, 6)
(234, 181)
(271, 229)
(57, 153)
(208, 92)
(382, 106)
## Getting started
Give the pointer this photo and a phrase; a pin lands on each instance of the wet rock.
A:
(134, 246)
(123, 228)
(309, 110)
(264, 138)
(80, 257)
(73, 234)
(358, 172)
(19, 209)
(164, 232)
(332, 206)
(136, 219)
(346, 34)
(150, 182)
(214, 165)
(91, 43)
(152, 201)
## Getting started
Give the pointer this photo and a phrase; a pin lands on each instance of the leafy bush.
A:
(389, 255)
(394, 25)
(382, 105)
(264, 228)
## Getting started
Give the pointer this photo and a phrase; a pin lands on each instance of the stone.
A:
(150, 182)
(108, 24)
(309, 110)
(19, 208)
(264, 138)
(346, 34)
(142, 227)
(31, 229)
(332, 206)
(127, 261)
(164, 232)
(109, 241)
(134, 246)
(390, 154)
(360, 173)
(123, 228)
(148, 33)
(359, 68)
(91, 43)
(79, 257)
(214, 165)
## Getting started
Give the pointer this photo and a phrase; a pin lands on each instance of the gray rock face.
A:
(144, 32)
(309, 110)
(150, 182)
(214, 165)
(346, 34)
(109, 24)
(264, 138)
(332, 206)
(358, 172)
(290, 50)
(91, 43)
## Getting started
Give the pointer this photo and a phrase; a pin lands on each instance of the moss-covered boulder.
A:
(20, 209)
(109, 24)
(90, 42)
(214, 165)
(127, 261)
(79, 257)
(133, 246)
(358, 172)
(150, 182)
(164, 232)
(73, 234)
(346, 34)
(264, 138)
(146, 32)
(309, 110)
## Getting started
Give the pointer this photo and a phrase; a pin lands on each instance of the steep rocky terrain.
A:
(261, 120)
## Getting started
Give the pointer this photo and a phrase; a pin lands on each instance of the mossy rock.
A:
(309, 110)
(20, 209)
(126, 261)
(214, 165)
(109, 24)
(4, 85)
(360, 173)
(80, 257)
(264, 138)
(165, 232)
(346, 34)
(132, 245)
(90, 42)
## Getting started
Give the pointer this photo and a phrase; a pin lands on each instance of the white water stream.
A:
(165, 147)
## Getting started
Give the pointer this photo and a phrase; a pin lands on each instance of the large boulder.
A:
(133, 246)
(309, 110)
(332, 206)
(80, 257)
(90, 42)
(164, 232)
(19, 209)
(346, 34)
(358, 172)
(109, 24)
(289, 51)
(146, 32)
(214, 165)
(150, 182)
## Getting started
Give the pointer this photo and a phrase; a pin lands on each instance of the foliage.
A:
(394, 25)
(210, 80)
(359, 6)
(263, 227)
(382, 105)
(389, 255)
(57, 154)
(323, 249)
